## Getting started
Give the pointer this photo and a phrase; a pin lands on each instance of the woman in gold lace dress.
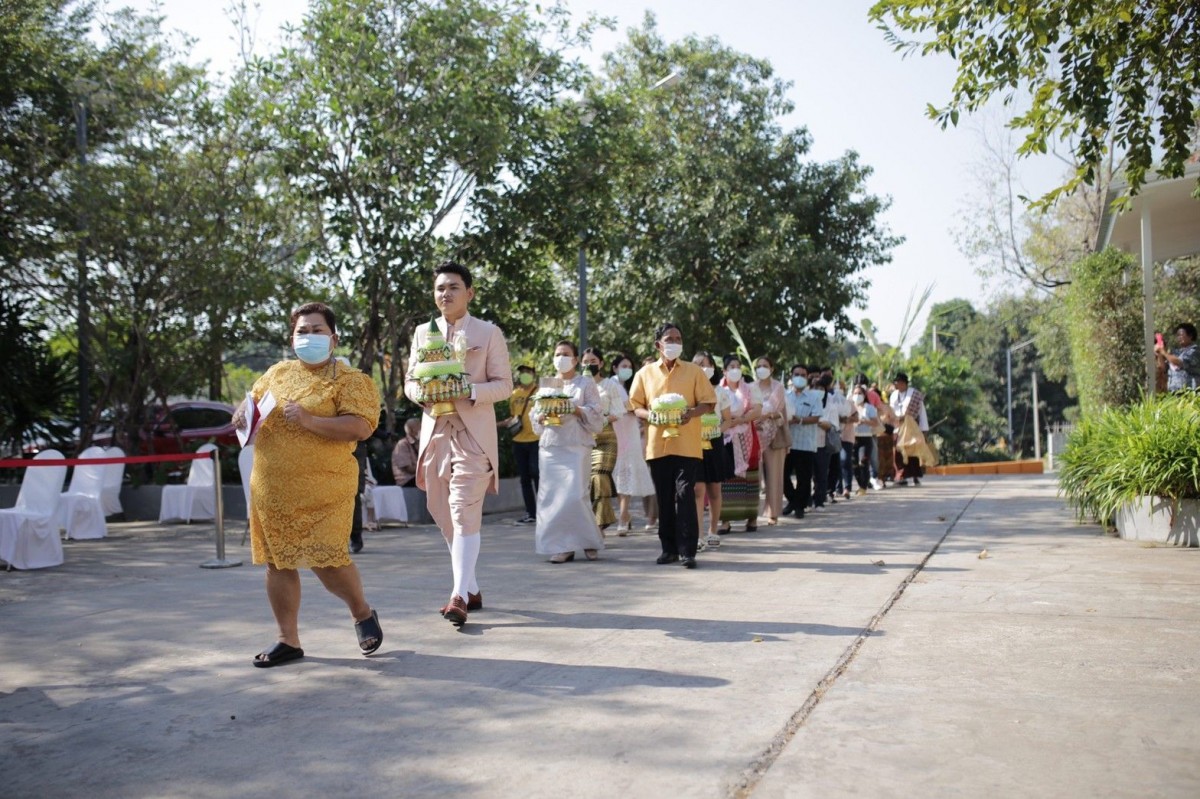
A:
(305, 477)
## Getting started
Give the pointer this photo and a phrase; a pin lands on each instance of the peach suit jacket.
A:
(488, 370)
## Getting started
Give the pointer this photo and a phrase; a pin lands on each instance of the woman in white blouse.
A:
(565, 522)
(631, 474)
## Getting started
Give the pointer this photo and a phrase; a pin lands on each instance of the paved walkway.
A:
(867, 651)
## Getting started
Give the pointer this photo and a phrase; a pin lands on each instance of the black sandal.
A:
(369, 630)
(278, 654)
(726, 530)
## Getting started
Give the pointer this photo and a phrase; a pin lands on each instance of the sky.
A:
(850, 90)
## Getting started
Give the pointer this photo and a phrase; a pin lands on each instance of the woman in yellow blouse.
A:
(305, 478)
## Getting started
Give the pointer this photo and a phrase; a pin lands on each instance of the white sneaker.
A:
(877, 484)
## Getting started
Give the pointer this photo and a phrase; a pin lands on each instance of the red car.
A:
(183, 427)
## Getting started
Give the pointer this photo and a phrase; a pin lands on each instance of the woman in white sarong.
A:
(565, 522)
(631, 473)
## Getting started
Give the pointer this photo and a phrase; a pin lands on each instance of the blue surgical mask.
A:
(312, 348)
(624, 373)
(799, 382)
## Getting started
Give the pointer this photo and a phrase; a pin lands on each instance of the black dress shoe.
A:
(666, 558)
(688, 563)
(788, 510)
(356, 547)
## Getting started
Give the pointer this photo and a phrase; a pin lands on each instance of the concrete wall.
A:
(141, 503)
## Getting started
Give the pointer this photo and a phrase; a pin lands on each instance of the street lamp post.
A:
(83, 321)
(1008, 387)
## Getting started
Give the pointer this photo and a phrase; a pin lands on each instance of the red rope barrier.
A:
(16, 463)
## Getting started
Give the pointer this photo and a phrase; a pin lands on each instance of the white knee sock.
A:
(464, 551)
(472, 585)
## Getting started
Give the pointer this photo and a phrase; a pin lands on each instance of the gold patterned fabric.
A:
(303, 484)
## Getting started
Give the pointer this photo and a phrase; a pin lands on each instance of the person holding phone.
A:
(1183, 362)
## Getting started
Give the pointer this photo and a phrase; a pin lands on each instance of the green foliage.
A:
(1131, 67)
(1104, 320)
(44, 53)
(953, 403)
(37, 403)
(1176, 294)
(882, 361)
(1151, 448)
(695, 205)
(238, 380)
(382, 137)
(390, 116)
(983, 338)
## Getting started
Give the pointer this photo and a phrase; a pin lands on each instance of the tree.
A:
(1131, 67)
(945, 325)
(1105, 328)
(39, 383)
(390, 115)
(957, 415)
(719, 214)
(1007, 238)
(44, 50)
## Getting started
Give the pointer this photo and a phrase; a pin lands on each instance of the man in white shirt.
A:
(907, 401)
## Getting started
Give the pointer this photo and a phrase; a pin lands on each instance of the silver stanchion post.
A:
(219, 562)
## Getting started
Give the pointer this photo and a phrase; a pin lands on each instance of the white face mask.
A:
(859, 399)
(312, 348)
(733, 375)
(762, 373)
(708, 371)
(799, 382)
(671, 351)
(564, 363)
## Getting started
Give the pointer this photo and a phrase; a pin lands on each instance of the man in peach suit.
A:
(459, 460)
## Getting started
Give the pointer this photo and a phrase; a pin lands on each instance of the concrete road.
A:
(866, 651)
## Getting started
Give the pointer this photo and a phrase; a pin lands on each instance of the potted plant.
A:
(1139, 469)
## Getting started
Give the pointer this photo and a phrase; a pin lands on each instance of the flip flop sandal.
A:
(278, 654)
(369, 630)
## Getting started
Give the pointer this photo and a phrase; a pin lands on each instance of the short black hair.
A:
(567, 343)
(594, 351)
(330, 319)
(453, 268)
(729, 358)
(664, 327)
(796, 366)
(900, 376)
(1187, 327)
(526, 368)
(615, 363)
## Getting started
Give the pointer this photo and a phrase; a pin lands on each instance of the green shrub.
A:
(1151, 448)
(1104, 323)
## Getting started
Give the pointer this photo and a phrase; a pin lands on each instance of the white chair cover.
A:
(245, 466)
(114, 476)
(81, 508)
(389, 504)
(194, 500)
(29, 531)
